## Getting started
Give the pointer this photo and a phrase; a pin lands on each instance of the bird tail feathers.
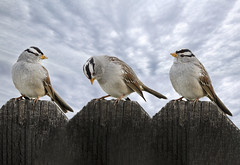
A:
(57, 99)
(153, 92)
(61, 103)
(222, 106)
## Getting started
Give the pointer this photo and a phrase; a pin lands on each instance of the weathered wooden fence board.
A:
(24, 128)
(103, 133)
(200, 134)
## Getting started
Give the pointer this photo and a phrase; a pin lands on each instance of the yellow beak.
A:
(92, 79)
(43, 57)
(174, 54)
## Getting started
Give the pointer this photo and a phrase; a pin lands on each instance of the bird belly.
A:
(115, 88)
(113, 84)
(186, 83)
(189, 89)
(28, 82)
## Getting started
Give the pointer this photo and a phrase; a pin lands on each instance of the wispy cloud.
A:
(142, 33)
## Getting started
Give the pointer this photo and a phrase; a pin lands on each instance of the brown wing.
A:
(47, 84)
(208, 88)
(130, 77)
(132, 83)
(206, 83)
(54, 96)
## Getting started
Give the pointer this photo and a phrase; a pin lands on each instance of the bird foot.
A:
(179, 99)
(19, 98)
(195, 101)
(102, 98)
(35, 100)
(118, 99)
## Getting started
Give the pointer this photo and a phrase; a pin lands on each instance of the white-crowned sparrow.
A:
(32, 79)
(115, 77)
(190, 79)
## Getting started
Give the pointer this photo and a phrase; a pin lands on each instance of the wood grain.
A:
(105, 133)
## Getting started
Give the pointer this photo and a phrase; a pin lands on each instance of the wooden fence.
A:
(123, 134)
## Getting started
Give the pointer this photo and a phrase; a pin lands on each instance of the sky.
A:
(142, 33)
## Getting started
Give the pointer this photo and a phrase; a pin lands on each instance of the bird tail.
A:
(222, 106)
(61, 103)
(153, 92)
(56, 98)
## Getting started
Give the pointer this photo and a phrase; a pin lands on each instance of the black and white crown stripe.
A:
(30, 50)
(88, 68)
(185, 53)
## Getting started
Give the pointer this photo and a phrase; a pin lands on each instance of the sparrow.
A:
(32, 79)
(190, 79)
(115, 77)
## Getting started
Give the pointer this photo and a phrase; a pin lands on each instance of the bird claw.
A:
(19, 98)
(179, 99)
(195, 101)
(102, 98)
(117, 101)
(35, 100)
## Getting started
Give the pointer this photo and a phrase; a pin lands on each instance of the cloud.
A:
(141, 33)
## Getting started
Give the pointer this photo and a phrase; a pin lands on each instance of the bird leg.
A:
(19, 98)
(179, 99)
(101, 98)
(118, 99)
(195, 101)
(36, 100)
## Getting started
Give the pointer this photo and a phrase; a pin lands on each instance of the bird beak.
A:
(174, 54)
(43, 57)
(92, 79)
